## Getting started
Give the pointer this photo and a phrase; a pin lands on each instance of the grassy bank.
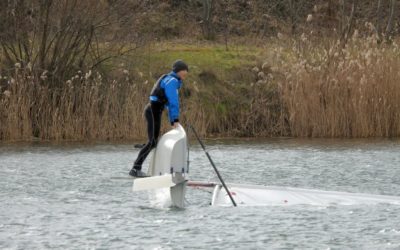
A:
(283, 88)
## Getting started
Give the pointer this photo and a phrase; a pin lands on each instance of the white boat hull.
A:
(168, 168)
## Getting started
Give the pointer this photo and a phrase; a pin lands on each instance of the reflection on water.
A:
(61, 196)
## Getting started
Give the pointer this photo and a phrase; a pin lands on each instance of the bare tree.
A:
(346, 30)
(292, 15)
(206, 21)
(61, 36)
(379, 18)
(389, 27)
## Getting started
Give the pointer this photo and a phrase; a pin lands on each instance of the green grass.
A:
(216, 58)
(219, 79)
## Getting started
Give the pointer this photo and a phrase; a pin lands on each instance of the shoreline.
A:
(192, 140)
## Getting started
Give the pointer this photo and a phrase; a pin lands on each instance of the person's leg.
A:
(151, 139)
(157, 114)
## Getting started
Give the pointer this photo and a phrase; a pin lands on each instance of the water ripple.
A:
(62, 197)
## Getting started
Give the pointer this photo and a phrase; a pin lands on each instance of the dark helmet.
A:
(180, 65)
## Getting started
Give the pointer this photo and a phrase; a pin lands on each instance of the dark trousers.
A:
(152, 113)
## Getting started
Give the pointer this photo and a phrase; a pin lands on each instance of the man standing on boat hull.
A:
(164, 94)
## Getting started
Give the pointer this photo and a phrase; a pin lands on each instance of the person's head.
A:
(181, 69)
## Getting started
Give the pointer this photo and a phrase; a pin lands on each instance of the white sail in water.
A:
(255, 195)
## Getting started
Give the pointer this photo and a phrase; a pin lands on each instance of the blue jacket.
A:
(171, 84)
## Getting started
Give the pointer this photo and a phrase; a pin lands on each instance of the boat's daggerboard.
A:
(154, 182)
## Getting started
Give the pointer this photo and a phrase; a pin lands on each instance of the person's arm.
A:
(171, 91)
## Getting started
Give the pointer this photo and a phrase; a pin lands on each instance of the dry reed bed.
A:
(87, 108)
(308, 90)
(82, 108)
(331, 91)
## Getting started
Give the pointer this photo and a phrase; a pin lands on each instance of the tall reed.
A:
(305, 88)
(335, 91)
(88, 107)
(84, 107)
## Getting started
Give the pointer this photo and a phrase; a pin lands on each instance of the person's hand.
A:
(175, 125)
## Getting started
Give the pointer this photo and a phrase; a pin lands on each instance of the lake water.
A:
(62, 197)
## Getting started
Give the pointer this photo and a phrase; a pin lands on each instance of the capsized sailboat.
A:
(169, 169)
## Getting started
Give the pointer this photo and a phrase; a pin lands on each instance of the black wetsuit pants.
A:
(152, 113)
